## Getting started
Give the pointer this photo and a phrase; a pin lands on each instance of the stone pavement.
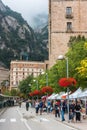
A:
(31, 114)
(78, 125)
(2, 110)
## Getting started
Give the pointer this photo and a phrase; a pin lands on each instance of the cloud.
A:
(28, 8)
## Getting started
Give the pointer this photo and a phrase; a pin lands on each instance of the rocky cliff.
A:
(17, 38)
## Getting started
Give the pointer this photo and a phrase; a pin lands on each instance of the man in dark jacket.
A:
(27, 105)
(57, 109)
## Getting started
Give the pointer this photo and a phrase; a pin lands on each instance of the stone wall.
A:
(58, 35)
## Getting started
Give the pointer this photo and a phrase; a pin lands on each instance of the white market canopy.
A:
(75, 94)
(51, 96)
(57, 96)
(83, 94)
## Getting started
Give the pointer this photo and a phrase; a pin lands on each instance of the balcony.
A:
(69, 30)
(69, 16)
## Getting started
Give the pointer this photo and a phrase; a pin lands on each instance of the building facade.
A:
(66, 18)
(20, 70)
(4, 74)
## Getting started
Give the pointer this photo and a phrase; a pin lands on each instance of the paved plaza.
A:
(31, 114)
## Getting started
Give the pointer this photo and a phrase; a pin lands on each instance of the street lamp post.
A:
(47, 93)
(67, 87)
(46, 79)
(61, 57)
(36, 85)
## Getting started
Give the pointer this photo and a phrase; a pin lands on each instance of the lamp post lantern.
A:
(61, 57)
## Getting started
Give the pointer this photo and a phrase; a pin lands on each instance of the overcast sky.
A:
(28, 8)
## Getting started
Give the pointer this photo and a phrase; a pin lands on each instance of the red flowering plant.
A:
(67, 82)
(31, 94)
(36, 92)
(47, 90)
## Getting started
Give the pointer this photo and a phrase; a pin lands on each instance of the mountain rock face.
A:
(42, 36)
(2, 7)
(39, 21)
(18, 40)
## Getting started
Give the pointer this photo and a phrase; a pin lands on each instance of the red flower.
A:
(47, 89)
(66, 82)
(44, 90)
(31, 94)
(36, 92)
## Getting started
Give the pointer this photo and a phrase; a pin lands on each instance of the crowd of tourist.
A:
(60, 107)
(76, 110)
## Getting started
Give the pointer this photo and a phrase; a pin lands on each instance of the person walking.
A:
(27, 105)
(37, 107)
(48, 106)
(72, 111)
(57, 109)
(62, 109)
(78, 111)
(41, 106)
(86, 107)
(20, 102)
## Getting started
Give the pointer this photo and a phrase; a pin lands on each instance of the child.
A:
(71, 116)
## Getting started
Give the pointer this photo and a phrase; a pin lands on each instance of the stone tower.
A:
(66, 18)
